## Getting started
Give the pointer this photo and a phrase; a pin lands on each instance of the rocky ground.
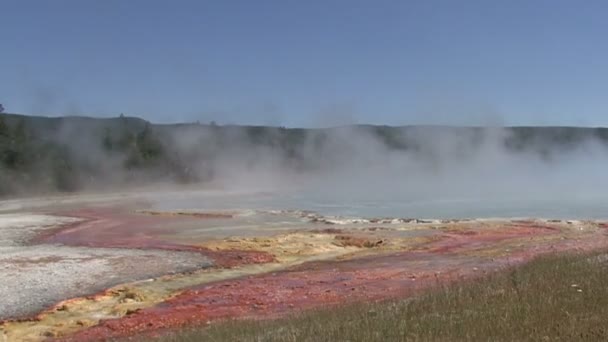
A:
(35, 277)
(40, 276)
(152, 270)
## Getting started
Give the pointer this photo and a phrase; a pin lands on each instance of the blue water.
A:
(566, 207)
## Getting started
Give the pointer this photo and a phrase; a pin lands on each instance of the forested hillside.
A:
(41, 154)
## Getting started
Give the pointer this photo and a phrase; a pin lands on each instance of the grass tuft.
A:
(553, 298)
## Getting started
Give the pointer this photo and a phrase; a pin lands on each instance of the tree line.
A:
(41, 154)
(30, 163)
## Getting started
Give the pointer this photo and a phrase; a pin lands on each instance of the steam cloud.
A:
(381, 163)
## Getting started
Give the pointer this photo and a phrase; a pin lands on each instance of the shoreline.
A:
(260, 259)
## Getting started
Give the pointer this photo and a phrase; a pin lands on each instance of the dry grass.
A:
(555, 298)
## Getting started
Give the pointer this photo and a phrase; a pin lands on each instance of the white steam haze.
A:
(442, 172)
(356, 170)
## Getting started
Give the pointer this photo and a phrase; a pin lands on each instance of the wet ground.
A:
(36, 275)
(122, 267)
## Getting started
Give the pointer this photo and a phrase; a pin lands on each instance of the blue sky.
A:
(309, 63)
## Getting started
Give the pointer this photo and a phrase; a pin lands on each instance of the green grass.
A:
(554, 298)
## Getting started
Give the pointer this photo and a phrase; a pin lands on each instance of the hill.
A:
(43, 154)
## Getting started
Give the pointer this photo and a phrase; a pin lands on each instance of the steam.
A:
(352, 163)
(423, 162)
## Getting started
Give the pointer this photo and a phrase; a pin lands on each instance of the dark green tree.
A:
(20, 136)
(9, 156)
(146, 150)
(107, 141)
(64, 175)
(4, 129)
(148, 145)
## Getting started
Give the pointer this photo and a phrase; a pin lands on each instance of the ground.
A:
(95, 267)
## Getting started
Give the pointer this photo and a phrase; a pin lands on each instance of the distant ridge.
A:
(46, 154)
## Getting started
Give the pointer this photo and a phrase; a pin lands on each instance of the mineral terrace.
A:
(93, 268)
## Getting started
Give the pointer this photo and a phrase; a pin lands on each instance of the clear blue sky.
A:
(309, 63)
